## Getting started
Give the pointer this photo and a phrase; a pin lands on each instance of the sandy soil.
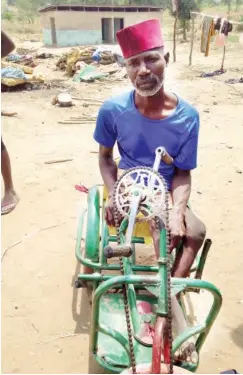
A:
(39, 302)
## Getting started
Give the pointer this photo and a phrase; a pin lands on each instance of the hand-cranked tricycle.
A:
(117, 324)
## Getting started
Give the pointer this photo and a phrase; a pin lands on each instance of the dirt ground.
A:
(39, 302)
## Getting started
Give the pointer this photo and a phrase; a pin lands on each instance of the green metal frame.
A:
(157, 283)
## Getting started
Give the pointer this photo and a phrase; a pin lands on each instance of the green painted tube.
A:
(111, 369)
(99, 266)
(104, 243)
(186, 335)
(163, 292)
(132, 299)
(104, 287)
(215, 308)
(116, 336)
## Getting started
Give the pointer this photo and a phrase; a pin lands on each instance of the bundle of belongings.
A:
(216, 26)
(13, 74)
(86, 55)
(23, 59)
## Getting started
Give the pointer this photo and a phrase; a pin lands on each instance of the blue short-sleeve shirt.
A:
(138, 137)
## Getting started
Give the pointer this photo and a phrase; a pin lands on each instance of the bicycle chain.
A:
(125, 287)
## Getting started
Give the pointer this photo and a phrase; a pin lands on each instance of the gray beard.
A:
(147, 93)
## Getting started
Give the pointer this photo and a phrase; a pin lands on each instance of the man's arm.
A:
(181, 190)
(108, 167)
(7, 45)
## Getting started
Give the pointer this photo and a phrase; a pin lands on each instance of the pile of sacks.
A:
(86, 55)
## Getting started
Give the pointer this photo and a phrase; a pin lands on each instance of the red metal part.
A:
(158, 345)
(161, 345)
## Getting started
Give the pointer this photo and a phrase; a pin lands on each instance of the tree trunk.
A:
(237, 5)
(174, 38)
(184, 31)
(229, 6)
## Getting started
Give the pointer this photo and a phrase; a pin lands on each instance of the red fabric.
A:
(82, 188)
(140, 37)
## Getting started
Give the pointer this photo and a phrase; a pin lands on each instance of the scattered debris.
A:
(234, 80)
(90, 100)
(58, 161)
(215, 73)
(89, 73)
(78, 120)
(36, 329)
(8, 114)
(63, 99)
(86, 55)
(44, 55)
(23, 59)
(239, 171)
(25, 237)
(82, 188)
(59, 337)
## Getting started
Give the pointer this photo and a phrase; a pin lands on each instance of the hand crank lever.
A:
(161, 154)
(117, 251)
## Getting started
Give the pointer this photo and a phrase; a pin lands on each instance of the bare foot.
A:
(187, 352)
(9, 202)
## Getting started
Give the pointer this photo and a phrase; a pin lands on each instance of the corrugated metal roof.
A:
(100, 8)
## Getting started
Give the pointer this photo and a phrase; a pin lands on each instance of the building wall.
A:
(80, 28)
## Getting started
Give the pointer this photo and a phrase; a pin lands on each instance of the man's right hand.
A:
(109, 211)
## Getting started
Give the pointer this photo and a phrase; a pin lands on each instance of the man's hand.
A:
(109, 213)
(177, 228)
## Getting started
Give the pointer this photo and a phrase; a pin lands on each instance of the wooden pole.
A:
(224, 51)
(223, 58)
(174, 37)
(192, 40)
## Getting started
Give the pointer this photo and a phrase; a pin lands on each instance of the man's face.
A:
(146, 71)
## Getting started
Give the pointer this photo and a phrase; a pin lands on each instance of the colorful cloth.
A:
(207, 33)
(138, 137)
(11, 72)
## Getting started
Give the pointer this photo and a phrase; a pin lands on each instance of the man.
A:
(144, 119)
(10, 198)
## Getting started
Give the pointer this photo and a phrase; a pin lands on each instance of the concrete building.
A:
(71, 25)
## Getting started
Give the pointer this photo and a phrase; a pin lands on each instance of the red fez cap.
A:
(140, 37)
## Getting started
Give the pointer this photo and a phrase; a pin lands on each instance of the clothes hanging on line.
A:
(223, 25)
(223, 28)
(207, 33)
(214, 26)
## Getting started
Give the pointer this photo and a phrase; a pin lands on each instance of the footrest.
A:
(174, 291)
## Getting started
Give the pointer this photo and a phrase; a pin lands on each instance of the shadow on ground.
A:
(237, 336)
(80, 306)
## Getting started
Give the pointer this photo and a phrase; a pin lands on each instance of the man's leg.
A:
(10, 198)
(195, 235)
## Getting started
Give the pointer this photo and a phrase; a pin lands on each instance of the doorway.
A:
(53, 31)
(118, 25)
(107, 30)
